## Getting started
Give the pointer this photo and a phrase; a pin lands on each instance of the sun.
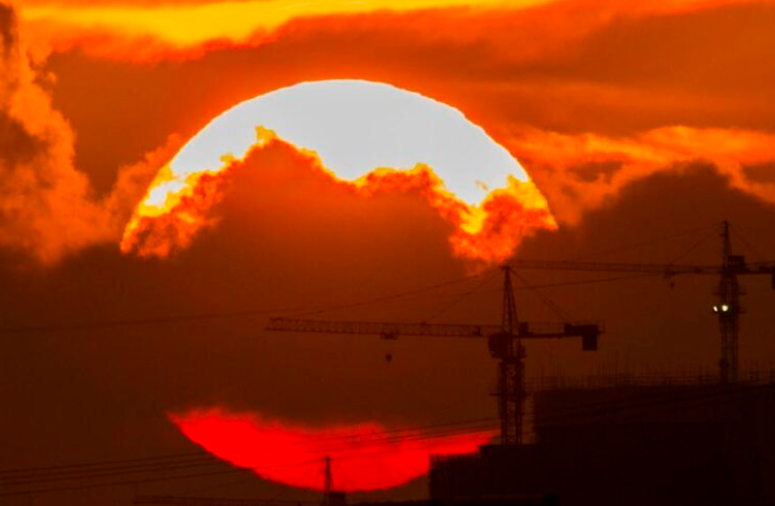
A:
(357, 129)
(365, 456)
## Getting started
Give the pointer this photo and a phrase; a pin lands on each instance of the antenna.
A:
(328, 486)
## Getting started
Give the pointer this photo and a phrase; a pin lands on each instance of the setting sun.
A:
(366, 134)
(356, 252)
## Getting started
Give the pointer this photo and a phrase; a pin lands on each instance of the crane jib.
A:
(391, 330)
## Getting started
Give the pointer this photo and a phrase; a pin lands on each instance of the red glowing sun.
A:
(364, 456)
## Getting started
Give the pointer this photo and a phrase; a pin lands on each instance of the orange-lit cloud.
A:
(133, 181)
(145, 30)
(45, 203)
(47, 207)
(488, 232)
(364, 456)
(169, 28)
(158, 233)
(583, 172)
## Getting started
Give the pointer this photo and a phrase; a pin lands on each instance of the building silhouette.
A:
(629, 443)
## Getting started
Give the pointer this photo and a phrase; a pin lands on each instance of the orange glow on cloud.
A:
(486, 232)
(490, 231)
(154, 231)
(176, 27)
(364, 456)
(560, 160)
(147, 31)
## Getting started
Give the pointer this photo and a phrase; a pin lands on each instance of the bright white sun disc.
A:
(355, 127)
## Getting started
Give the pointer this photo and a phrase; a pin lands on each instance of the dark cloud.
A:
(47, 206)
(565, 68)
(592, 171)
(287, 238)
(16, 144)
(655, 324)
(760, 172)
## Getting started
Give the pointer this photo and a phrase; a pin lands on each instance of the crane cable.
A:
(462, 297)
(563, 315)
(648, 242)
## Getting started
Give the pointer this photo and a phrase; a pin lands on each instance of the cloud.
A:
(45, 204)
(133, 181)
(149, 31)
(166, 29)
(582, 172)
(486, 233)
(552, 75)
(47, 207)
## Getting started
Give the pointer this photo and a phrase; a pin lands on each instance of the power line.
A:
(462, 297)
(751, 247)
(648, 242)
(609, 407)
(588, 281)
(413, 429)
(119, 483)
(564, 316)
(690, 249)
(105, 462)
(393, 297)
(199, 458)
(101, 473)
(137, 322)
(348, 448)
(291, 311)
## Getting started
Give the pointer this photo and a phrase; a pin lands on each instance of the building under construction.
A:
(630, 444)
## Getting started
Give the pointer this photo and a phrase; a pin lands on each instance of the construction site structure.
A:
(630, 443)
(727, 308)
(505, 344)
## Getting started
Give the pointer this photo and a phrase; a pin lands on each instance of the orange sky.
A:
(181, 26)
(524, 70)
(634, 121)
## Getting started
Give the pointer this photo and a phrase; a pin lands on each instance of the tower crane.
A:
(505, 344)
(727, 308)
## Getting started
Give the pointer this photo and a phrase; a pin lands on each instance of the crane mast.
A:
(511, 368)
(504, 340)
(728, 309)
